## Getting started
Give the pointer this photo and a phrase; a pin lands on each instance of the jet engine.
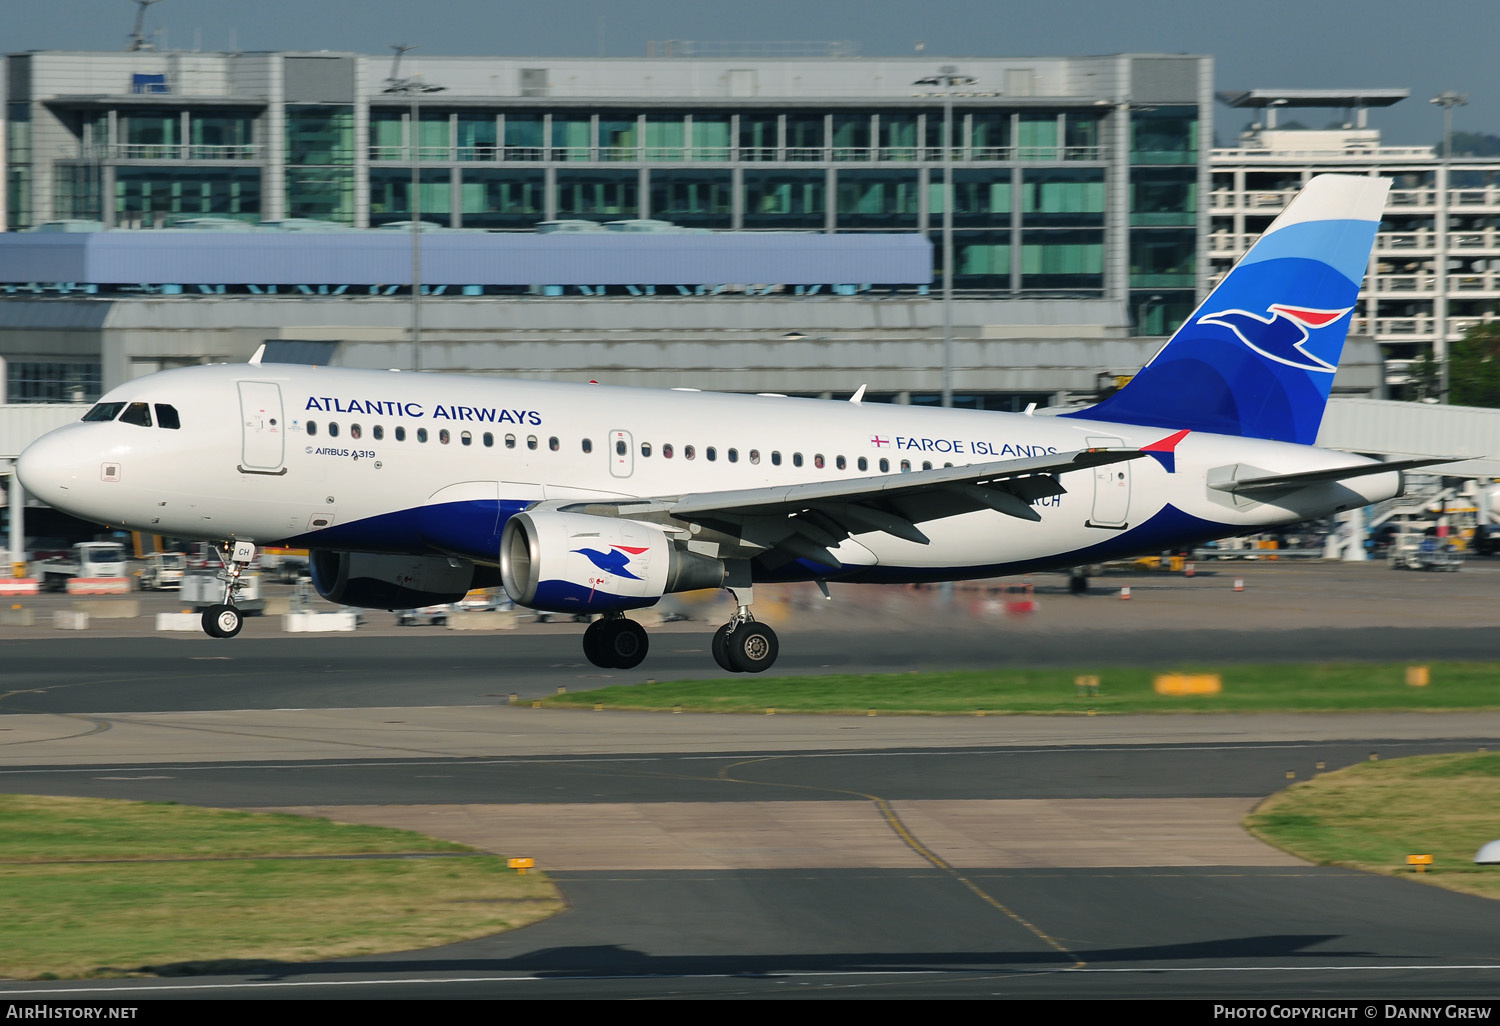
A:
(390, 582)
(579, 563)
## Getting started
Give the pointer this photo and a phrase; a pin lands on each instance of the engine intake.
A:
(576, 562)
(390, 582)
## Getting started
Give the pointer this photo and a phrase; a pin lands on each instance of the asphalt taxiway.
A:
(767, 856)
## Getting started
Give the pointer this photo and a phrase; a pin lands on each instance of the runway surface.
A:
(722, 857)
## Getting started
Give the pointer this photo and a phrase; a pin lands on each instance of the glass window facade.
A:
(1062, 197)
(878, 199)
(320, 157)
(29, 381)
(1036, 136)
(1164, 135)
(221, 136)
(618, 138)
(1163, 196)
(1063, 260)
(477, 136)
(598, 195)
(510, 199)
(390, 195)
(572, 136)
(524, 137)
(712, 139)
(981, 199)
(981, 260)
(786, 199)
(153, 197)
(1163, 258)
(759, 135)
(805, 137)
(696, 199)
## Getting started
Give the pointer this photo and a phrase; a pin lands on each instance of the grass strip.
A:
(204, 889)
(1284, 687)
(1373, 815)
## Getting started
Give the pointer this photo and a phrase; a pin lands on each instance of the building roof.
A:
(1312, 97)
(456, 259)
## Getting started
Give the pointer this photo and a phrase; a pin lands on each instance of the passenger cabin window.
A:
(885, 465)
(531, 441)
(104, 411)
(553, 443)
(138, 414)
(333, 429)
(355, 431)
(444, 437)
(378, 432)
(422, 434)
(864, 464)
(312, 428)
(710, 454)
(818, 461)
(489, 439)
(754, 456)
(841, 463)
(620, 447)
(510, 441)
(688, 452)
(466, 438)
(775, 457)
(734, 455)
(166, 417)
(400, 434)
(905, 466)
(645, 448)
(666, 450)
(588, 445)
(796, 459)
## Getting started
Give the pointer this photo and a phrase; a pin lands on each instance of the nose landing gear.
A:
(224, 620)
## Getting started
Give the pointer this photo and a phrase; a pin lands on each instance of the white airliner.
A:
(413, 489)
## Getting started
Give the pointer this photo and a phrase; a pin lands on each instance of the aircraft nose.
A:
(48, 468)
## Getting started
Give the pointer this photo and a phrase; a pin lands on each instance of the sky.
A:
(1428, 47)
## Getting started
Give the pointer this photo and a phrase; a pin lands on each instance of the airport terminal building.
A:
(1078, 231)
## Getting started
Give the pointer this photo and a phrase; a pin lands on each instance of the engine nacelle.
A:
(389, 582)
(578, 563)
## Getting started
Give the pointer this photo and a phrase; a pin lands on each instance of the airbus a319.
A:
(410, 490)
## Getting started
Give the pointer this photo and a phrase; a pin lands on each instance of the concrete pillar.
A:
(1354, 536)
(17, 525)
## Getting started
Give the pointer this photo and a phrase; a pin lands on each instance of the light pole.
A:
(1447, 100)
(413, 87)
(947, 77)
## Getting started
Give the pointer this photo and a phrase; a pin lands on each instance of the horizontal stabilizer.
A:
(1284, 482)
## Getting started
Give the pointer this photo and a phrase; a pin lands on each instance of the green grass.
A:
(1293, 687)
(99, 888)
(1373, 815)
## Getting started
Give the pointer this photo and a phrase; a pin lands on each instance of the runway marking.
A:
(911, 841)
(787, 974)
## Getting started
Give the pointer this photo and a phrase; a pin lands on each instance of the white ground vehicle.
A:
(87, 559)
(163, 571)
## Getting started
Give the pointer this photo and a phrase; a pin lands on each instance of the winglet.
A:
(858, 396)
(1164, 450)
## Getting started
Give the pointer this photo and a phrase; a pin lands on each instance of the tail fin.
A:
(1258, 357)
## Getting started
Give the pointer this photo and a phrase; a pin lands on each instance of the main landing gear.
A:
(615, 643)
(742, 645)
(224, 620)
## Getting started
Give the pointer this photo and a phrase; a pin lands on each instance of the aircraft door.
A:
(1111, 490)
(263, 449)
(621, 455)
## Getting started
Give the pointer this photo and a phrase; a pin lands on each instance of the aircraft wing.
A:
(806, 520)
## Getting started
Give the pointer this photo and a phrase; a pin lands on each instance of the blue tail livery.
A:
(1257, 359)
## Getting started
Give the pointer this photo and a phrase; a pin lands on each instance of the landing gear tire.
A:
(222, 621)
(623, 644)
(719, 646)
(752, 647)
(593, 649)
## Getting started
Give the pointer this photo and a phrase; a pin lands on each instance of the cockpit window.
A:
(104, 411)
(166, 416)
(137, 413)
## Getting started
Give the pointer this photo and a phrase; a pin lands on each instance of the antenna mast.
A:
(138, 40)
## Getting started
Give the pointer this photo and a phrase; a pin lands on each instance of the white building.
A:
(1436, 266)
